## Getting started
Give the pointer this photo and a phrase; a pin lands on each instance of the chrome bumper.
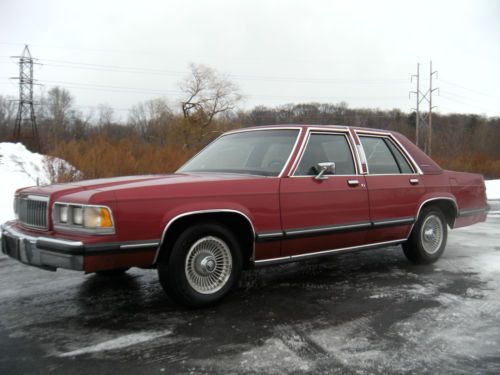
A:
(43, 252)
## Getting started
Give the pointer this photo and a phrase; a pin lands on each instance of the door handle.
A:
(414, 181)
(352, 182)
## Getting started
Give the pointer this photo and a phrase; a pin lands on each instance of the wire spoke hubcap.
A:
(432, 234)
(208, 265)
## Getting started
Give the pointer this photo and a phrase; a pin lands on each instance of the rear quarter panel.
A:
(470, 192)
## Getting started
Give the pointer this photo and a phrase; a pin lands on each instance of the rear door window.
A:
(383, 157)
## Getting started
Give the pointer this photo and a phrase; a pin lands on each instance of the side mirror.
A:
(326, 167)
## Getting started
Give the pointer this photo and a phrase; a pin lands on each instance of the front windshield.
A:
(258, 152)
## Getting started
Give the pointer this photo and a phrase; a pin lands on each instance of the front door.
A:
(324, 214)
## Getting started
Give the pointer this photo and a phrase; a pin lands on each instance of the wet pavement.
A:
(366, 312)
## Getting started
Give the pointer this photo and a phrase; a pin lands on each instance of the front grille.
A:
(32, 211)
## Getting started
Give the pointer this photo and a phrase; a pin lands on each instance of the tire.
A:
(427, 240)
(203, 266)
(112, 273)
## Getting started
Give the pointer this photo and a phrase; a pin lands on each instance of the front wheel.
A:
(204, 265)
(427, 240)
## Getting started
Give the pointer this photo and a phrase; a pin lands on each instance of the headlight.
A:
(63, 214)
(97, 217)
(83, 218)
(77, 215)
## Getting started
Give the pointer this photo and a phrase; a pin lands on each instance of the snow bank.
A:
(493, 189)
(19, 168)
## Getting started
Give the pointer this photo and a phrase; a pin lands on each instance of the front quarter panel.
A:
(144, 213)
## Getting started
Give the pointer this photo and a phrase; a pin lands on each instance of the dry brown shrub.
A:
(488, 166)
(100, 157)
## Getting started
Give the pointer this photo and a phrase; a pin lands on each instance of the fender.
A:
(179, 212)
(433, 197)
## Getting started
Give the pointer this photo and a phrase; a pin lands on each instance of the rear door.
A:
(320, 215)
(394, 187)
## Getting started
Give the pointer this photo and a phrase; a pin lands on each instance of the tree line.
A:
(158, 135)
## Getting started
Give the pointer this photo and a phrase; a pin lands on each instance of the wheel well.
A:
(447, 207)
(238, 224)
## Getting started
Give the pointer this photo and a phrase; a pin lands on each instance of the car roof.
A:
(307, 126)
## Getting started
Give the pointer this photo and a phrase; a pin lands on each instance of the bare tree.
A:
(151, 119)
(8, 110)
(105, 115)
(59, 107)
(207, 93)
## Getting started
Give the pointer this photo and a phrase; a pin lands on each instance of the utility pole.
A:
(431, 90)
(25, 127)
(417, 110)
(424, 120)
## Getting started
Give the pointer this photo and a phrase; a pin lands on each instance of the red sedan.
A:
(252, 197)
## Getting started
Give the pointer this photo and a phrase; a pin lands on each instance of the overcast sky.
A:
(361, 52)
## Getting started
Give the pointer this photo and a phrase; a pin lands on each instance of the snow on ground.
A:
(118, 343)
(19, 168)
(493, 189)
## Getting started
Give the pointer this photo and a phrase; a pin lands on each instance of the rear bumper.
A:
(43, 252)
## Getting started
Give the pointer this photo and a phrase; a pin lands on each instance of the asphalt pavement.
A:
(360, 313)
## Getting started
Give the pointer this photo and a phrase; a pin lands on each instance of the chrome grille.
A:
(32, 211)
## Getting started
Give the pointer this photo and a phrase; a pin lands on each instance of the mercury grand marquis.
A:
(253, 197)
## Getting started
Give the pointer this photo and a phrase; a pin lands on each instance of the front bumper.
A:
(43, 252)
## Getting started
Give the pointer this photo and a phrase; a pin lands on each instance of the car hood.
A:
(131, 182)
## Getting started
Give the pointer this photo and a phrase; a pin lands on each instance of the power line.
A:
(469, 89)
(141, 70)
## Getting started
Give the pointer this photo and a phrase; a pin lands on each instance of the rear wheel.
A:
(204, 265)
(428, 238)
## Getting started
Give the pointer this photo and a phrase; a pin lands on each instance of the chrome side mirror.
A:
(326, 167)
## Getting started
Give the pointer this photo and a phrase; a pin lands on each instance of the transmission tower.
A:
(423, 128)
(25, 128)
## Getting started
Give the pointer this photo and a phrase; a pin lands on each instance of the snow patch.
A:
(493, 189)
(20, 168)
(118, 343)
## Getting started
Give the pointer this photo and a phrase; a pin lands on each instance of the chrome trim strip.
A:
(333, 228)
(263, 127)
(61, 242)
(138, 245)
(200, 212)
(291, 153)
(406, 220)
(430, 200)
(316, 254)
(290, 233)
(295, 163)
(362, 157)
(471, 211)
(9, 229)
(34, 197)
(269, 235)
